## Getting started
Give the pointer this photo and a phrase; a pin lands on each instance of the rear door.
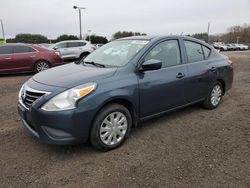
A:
(23, 58)
(74, 49)
(200, 70)
(6, 59)
(163, 89)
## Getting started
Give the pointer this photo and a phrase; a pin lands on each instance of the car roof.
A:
(18, 44)
(149, 37)
(159, 37)
(74, 41)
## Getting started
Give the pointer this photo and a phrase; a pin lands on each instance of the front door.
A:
(163, 89)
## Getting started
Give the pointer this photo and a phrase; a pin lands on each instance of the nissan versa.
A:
(120, 84)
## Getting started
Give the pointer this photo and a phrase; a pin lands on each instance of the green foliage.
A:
(66, 37)
(121, 34)
(2, 41)
(28, 38)
(95, 39)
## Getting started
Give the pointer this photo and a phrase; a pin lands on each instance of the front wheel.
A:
(41, 66)
(111, 127)
(214, 97)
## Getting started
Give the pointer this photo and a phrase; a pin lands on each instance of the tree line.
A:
(95, 39)
(234, 34)
(37, 39)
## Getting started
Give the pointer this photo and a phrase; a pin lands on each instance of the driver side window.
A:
(168, 52)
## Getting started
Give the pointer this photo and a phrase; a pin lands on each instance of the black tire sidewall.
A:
(95, 136)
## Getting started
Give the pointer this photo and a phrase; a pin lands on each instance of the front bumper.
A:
(59, 128)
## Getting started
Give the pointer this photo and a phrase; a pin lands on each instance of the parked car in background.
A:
(102, 98)
(220, 46)
(241, 46)
(73, 49)
(231, 47)
(26, 58)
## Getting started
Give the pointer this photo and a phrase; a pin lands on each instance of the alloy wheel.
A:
(216, 95)
(41, 66)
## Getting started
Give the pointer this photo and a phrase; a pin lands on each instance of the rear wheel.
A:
(111, 127)
(41, 66)
(214, 97)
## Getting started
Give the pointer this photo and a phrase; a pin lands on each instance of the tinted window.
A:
(194, 51)
(73, 44)
(167, 52)
(81, 43)
(23, 49)
(6, 49)
(206, 51)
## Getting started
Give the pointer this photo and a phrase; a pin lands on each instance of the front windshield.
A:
(116, 53)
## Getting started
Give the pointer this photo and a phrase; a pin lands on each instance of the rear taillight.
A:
(230, 62)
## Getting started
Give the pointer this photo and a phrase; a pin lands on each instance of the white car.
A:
(241, 46)
(220, 45)
(73, 49)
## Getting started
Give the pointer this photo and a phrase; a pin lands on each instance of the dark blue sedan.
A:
(119, 85)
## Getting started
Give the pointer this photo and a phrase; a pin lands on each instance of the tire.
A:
(104, 134)
(216, 91)
(41, 66)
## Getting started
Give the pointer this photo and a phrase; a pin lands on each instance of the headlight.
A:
(67, 99)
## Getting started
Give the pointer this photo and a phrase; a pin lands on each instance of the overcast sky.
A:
(104, 17)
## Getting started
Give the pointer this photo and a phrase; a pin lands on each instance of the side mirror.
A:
(55, 48)
(151, 64)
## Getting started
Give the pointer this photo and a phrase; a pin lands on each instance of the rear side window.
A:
(23, 49)
(206, 51)
(73, 44)
(194, 51)
(6, 50)
(81, 43)
(167, 52)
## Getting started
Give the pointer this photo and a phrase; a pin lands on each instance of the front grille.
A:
(29, 97)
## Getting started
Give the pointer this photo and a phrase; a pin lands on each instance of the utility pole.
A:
(89, 36)
(80, 18)
(2, 29)
(208, 28)
(238, 38)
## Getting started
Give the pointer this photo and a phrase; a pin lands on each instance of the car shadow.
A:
(17, 74)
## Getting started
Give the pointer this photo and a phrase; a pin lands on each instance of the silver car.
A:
(73, 49)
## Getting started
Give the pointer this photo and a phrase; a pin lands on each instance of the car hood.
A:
(71, 75)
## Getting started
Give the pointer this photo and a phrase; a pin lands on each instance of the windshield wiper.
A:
(95, 64)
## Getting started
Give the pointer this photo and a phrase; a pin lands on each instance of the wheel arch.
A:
(37, 61)
(124, 102)
(222, 82)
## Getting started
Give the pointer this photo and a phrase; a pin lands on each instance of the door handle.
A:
(7, 58)
(33, 56)
(213, 68)
(180, 75)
